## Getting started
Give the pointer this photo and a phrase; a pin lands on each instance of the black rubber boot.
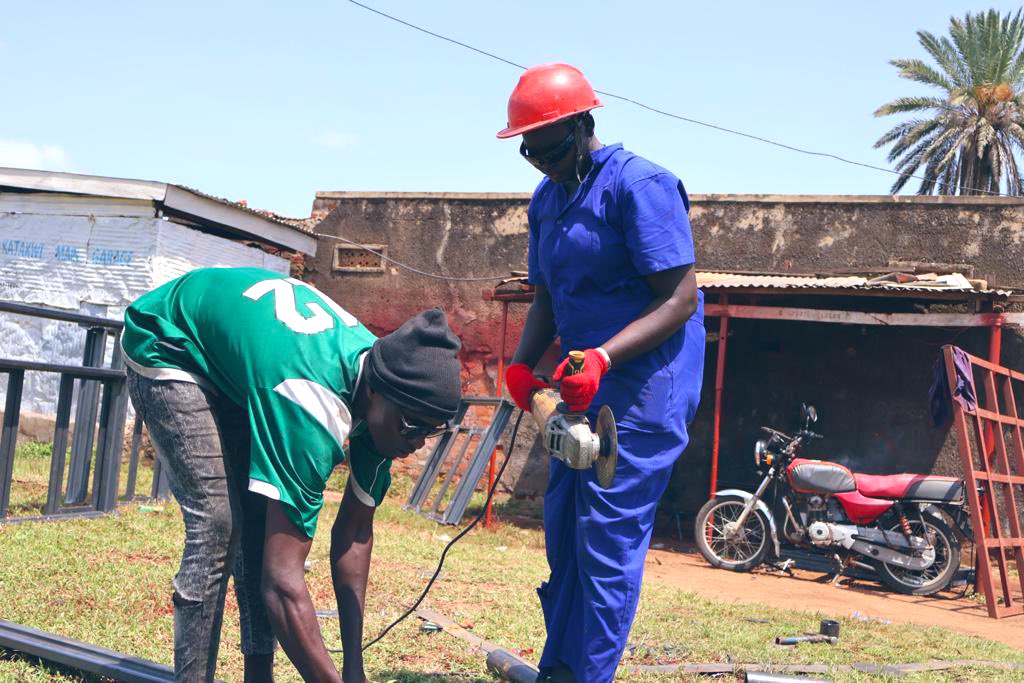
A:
(558, 674)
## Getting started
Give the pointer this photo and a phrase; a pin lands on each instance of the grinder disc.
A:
(604, 466)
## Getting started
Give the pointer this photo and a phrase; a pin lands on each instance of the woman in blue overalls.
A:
(611, 258)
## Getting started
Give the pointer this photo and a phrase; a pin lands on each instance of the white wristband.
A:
(607, 358)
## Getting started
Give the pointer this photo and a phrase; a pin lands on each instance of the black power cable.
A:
(440, 562)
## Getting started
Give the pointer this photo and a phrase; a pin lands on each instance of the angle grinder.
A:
(567, 435)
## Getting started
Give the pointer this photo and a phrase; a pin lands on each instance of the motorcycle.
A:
(892, 525)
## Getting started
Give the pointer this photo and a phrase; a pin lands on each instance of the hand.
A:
(578, 391)
(521, 383)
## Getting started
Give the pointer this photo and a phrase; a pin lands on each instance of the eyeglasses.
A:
(409, 431)
(551, 155)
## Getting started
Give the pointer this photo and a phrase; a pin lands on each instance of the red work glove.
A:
(521, 383)
(578, 390)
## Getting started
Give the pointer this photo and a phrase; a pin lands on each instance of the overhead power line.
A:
(662, 112)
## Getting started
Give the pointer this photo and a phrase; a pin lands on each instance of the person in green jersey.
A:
(254, 386)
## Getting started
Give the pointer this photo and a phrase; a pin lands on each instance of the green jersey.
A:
(283, 351)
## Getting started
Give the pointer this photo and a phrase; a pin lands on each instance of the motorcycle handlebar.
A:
(775, 432)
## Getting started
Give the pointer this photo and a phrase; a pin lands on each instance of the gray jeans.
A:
(202, 440)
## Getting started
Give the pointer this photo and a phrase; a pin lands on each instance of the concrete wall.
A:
(815, 234)
(870, 384)
(457, 235)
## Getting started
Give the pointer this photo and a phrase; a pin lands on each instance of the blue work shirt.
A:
(592, 251)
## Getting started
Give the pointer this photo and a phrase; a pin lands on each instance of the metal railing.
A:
(101, 394)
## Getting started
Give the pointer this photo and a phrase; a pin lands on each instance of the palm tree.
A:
(967, 142)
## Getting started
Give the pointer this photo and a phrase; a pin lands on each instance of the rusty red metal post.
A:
(723, 336)
(995, 347)
(499, 385)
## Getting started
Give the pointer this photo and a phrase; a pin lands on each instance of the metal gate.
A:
(992, 455)
(100, 410)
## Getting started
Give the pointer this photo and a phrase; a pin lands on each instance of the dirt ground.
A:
(685, 568)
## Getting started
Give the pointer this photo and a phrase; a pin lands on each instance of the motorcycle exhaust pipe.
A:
(863, 565)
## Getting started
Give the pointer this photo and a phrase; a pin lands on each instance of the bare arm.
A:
(675, 300)
(351, 545)
(539, 330)
(289, 606)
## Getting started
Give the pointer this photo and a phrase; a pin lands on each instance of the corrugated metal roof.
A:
(954, 282)
(244, 206)
(236, 216)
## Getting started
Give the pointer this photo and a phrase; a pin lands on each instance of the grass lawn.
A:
(107, 581)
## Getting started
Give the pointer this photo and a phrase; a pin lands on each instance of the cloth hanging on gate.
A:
(963, 393)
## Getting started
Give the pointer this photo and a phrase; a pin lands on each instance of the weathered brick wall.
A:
(870, 384)
(456, 235)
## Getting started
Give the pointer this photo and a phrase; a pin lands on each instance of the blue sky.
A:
(271, 102)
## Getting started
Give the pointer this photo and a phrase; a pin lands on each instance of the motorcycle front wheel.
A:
(936, 577)
(726, 545)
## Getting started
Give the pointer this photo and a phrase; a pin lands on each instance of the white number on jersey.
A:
(287, 310)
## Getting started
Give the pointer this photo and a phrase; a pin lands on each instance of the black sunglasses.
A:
(409, 431)
(551, 155)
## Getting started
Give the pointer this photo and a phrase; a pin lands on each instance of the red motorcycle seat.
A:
(908, 485)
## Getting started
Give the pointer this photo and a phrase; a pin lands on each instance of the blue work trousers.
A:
(597, 540)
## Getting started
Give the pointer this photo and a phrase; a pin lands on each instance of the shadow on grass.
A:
(407, 676)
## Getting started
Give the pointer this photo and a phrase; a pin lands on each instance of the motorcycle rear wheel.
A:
(936, 577)
(745, 549)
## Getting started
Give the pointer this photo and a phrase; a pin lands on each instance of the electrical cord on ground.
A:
(469, 527)
(723, 129)
(424, 273)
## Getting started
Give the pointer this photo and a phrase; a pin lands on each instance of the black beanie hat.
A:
(417, 366)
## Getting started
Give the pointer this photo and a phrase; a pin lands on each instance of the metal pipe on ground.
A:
(510, 667)
(765, 677)
(82, 656)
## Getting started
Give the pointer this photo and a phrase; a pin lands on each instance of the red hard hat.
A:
(545, 94)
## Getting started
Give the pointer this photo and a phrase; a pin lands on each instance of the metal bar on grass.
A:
(82, 656)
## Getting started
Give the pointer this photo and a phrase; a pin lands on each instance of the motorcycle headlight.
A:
(761, 455)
